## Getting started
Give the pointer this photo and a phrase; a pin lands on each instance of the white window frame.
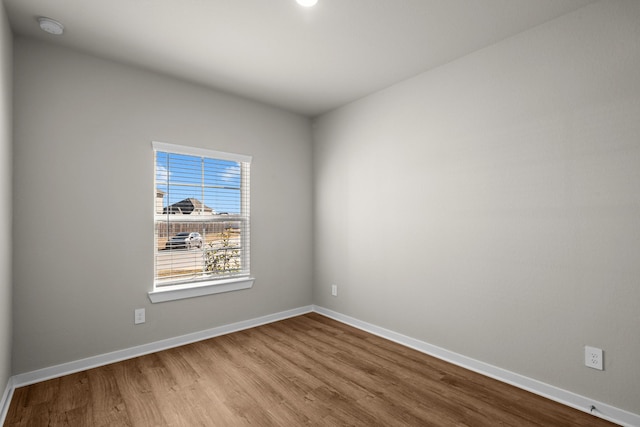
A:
(190, 289)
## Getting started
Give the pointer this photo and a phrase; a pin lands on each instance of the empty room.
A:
(331, 212)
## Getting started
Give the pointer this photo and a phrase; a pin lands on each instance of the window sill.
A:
(176, 292)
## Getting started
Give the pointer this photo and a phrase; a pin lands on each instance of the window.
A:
(201, 215)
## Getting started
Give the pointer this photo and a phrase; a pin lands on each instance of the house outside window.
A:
(201, 222)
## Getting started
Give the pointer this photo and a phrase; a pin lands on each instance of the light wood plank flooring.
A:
(308, 370)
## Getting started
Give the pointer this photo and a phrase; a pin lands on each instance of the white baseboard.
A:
(6, 400)
(573, 400)
(44, 374)
(603, 410)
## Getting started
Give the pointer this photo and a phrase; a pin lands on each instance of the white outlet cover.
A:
(593, 357)
(139, 316)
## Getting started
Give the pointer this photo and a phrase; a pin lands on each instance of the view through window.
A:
(201, 215)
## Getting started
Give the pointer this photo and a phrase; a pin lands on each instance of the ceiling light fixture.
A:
(51, 26)
(307, 3)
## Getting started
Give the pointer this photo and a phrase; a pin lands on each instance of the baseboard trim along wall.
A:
(564, 397)
(6, 399)
(32, 377)
(44, 374)
(603, 410)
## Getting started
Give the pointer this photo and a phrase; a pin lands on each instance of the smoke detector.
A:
(51, 26)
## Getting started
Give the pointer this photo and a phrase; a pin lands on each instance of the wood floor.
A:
(308, 370)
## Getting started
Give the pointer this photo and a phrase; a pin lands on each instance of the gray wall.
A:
(6, 67)
(84, 201)
(492, 206)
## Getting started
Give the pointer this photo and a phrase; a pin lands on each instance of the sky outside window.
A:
(214, 182)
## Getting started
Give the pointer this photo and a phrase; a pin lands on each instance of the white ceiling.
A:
(304, 60)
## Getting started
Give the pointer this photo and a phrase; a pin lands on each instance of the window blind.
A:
(201, 215)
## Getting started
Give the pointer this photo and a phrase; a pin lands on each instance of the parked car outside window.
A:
(185, 241)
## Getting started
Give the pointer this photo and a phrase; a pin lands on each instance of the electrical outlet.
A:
(334, 290)
(139, 316)
(593, 358)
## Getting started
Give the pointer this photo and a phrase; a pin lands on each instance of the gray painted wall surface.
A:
(492, 206)
(84, 203)
(6, 330)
